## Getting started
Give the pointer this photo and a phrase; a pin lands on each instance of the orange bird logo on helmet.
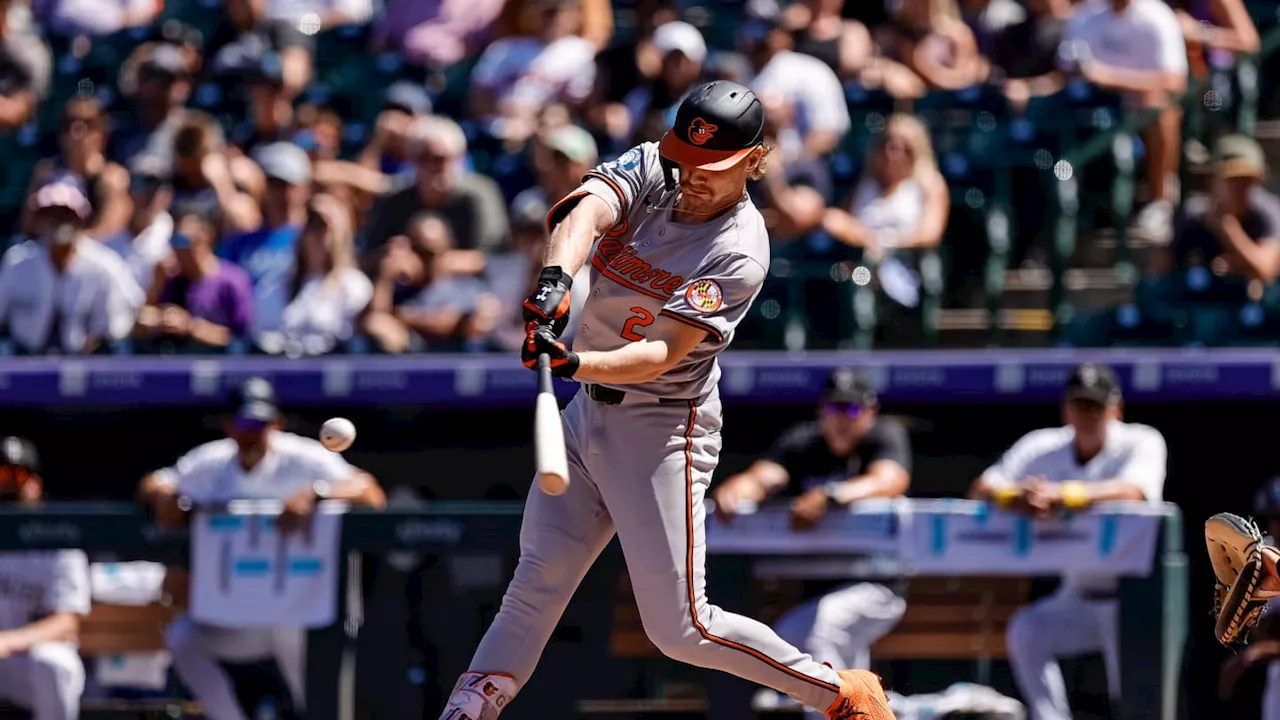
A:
(700, 131)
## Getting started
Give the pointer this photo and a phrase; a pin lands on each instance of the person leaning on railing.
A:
(1094, 457)
(256, 460)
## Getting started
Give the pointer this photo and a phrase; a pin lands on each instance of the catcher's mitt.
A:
(1235, 549)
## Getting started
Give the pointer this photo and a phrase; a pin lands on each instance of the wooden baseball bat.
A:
(548, 434)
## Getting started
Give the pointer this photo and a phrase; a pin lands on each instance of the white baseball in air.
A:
(337, 434)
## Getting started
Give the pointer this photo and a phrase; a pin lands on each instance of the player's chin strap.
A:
(670, 174)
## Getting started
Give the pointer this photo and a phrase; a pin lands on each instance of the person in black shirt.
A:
(849, 454)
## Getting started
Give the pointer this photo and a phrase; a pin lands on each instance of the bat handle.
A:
(544, 373)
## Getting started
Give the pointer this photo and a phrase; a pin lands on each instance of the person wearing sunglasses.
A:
(849, 453)
(43, 595)
(255, 460)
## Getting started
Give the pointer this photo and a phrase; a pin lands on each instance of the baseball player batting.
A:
(682, 253)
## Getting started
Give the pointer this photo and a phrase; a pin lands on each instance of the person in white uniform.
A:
(43, 595)
(256, 460)
(1094, 457)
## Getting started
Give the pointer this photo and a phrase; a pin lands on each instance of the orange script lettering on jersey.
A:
(623, 260)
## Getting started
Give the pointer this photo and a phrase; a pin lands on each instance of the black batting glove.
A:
(549, 303)
(564, 362)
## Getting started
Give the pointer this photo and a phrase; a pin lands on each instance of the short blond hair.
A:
(437, 128)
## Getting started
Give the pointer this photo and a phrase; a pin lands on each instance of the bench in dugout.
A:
(113, 630)
(948, 619)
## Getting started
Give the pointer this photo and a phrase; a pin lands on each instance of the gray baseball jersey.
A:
(34, 584)
(705, 274)
(641, 467)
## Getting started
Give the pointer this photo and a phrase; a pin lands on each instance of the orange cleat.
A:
(861, 698)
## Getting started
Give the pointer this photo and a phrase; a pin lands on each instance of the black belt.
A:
(609, 396)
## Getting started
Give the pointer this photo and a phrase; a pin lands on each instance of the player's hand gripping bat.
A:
(548, 434)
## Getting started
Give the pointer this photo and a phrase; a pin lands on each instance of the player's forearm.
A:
(1138, 81)
(867, 487)
(637, 362)
(572, 238)
(1112, 490)
(360, 489)
(58, 627)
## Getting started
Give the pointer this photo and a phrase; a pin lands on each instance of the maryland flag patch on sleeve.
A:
(705, 295)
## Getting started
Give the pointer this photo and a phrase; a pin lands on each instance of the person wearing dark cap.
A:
(65, 292)
(43, 596)
(849, 453)
(145, 242)
(160, 81)
(1227, 248)
(388, 150)
(677, 253)
(256, 460)
(1093, 457)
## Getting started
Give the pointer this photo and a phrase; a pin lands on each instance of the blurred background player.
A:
(256, 460)
(848, 454)
(1094, 457)
(43, 595)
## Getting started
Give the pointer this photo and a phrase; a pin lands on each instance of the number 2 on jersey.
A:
(642, 318)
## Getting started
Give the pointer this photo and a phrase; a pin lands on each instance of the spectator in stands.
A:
(270, 109)
(925, 45)
(1135, 48)
(562, 156)
(545, 61)
(987, 19)
(44, 595)
(202, 171)
(207, 303)
(1216, 31)
(849, 454)
(388, 148)
(257, 460)
(793, 195)
(471, 204)
(820, 29)
(651, 107)
(1024, 59)
(267, 251)
(313, 16)
(94, 17)
(626, 66)
(65, 293)
(899, 207)
(1227, 247)
(82, 142)
(25, 70)
(812, 89)
(325, 294)
(511, 274)
(252, 34)
(435, 33)
(417, 307)
(318, 131)
(1093, 457)
(145, 242)
(161, 85)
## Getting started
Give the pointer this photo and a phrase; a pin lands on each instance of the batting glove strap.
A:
(541, 339)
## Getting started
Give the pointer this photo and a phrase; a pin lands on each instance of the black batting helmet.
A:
(716, 126)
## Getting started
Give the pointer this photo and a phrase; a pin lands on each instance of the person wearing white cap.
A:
(652, 106)
(64, 292)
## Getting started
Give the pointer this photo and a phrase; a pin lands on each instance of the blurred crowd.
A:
(214, 193)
